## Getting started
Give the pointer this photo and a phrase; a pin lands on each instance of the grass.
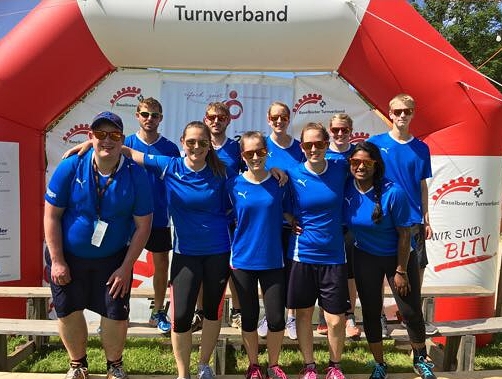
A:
(154, 356)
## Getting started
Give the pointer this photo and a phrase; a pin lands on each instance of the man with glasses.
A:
(148, 140)
(408, 163)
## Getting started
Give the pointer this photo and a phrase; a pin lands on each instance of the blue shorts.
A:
(325, 283)
(88, 289)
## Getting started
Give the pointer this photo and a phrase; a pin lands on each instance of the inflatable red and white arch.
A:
(381, 47)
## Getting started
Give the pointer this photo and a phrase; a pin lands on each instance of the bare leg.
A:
(376, 349)
(161, 263)
(113, 337)
(210, 333)
(233, 292)
(250, 340)
(274, 344)
(352, 294)
(73, 332)
(305, 334)
(182, 347)
(336, 335)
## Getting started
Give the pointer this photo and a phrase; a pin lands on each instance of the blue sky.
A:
(12, 11)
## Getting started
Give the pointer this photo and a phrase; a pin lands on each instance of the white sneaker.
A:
(291, 328)
(262, 327)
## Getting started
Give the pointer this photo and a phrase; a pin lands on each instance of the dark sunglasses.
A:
(101, 135)
(249, 154)
(397, 112)
(317, 144)
(148, 114)
(338, 130)
(201, 142)
(276, 118)
(220, 117)
(368, 163)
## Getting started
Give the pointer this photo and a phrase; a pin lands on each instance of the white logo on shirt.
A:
(385, 150)
(81, 182)
(243, 194)
(177, 175)
(269, 154)
(302, 182)
(348, 200)
(51, 194)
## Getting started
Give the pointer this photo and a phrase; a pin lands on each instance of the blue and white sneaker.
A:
(379, 371)
(159, 319)
(205, 372)
(423, 368)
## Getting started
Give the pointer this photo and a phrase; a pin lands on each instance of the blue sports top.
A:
(198, 202)
(73, 187)
(406, 164)
(283, 158)
(258, 208)
(377, 239)
(317, 205)
(230, 154)
(332, 154)
(162, 146)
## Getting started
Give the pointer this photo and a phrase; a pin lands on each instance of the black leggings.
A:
(273, 286)
(369, 271)
(188, 272)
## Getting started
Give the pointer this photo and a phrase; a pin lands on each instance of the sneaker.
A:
(205, 372)
(351, 329)
(236, 321)
(79, 372)
(423, 368)
(430, 329)
(159, 319)
(262, 327)
(254, 372)
(385, 327)
(291, 328)
(334, 372)
(308, 373)
(379, 371)
(322, 329)
(197, 321)
(116, 372)
(275, 372)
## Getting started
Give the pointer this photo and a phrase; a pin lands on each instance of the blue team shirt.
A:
(73, 187)
(198, 202)
(317, 205)
(283, 158)
(162, 146)
(406, 164)
(258, 208)
(377, 239)
(333, 155)
(230, 154)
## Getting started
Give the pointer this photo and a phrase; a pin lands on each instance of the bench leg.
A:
(219, 356)
(3, 352)
(466, 353)
(450, 353)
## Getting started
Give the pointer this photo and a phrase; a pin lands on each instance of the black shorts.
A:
(325, 283)
(418, 233)
(159, 240)
(88, 288)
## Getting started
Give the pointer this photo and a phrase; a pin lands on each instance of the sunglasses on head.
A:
(276, 118)
(220, 117)
(407, 111)
(148, 114)
(200, 142)
(368, 163)
(317, 144)
(101, 135)
(344, 130)
(249, 154)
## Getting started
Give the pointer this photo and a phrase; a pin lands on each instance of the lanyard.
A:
(101, 191)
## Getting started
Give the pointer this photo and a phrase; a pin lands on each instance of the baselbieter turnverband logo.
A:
(122, 97)
(246, 13)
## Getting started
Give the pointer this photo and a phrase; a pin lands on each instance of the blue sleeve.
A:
(59, 188)
(400, 211)
(157, 163)
(143, 204)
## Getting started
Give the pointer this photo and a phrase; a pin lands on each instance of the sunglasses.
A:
(283, 118)
(101, 135)
(317, 144)
(338, 130)
(148, 114)
(201, 142)
(397, 112)
(249, 154)
(220, 117)
(368, 163)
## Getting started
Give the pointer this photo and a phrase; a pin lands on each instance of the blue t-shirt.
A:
(73, 187)
(258, 208)
(378, 239)
(280, 157)
(317, 205)
(162, 146)
(198, 202)
(332, 154)
(230, 154)
(406, 164)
